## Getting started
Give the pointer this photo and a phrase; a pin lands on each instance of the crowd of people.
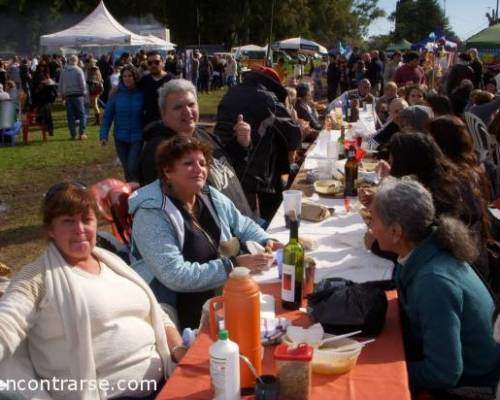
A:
(203, 194)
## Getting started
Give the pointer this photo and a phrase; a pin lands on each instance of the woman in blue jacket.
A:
(126, 109)
(447, 309)
(186, 234)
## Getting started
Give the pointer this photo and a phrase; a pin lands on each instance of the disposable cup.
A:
(292, 200)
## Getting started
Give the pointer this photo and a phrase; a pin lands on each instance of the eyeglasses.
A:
(62, 186)
(154, 62)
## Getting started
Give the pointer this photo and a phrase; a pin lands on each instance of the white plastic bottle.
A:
(225, 368)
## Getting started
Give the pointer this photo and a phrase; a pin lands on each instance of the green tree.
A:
(227, 22)
(428, 13)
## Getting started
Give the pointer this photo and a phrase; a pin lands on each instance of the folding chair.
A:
(484, 143)
(112, 201)
(10, 133)
(31, 121)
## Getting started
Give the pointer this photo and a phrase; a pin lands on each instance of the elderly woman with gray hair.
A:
(447, 308)
(178, 103)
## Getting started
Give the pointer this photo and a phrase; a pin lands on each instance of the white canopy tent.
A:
(249, 48)
(100, 28)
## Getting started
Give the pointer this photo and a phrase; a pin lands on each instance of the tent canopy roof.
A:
(403, 44)
(299, 44)
(486, 39)
(99, 28)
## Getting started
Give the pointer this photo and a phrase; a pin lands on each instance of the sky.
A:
(467, 17)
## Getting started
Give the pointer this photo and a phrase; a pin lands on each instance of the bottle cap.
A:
(223, 334)
(301, 352)
(240, 272)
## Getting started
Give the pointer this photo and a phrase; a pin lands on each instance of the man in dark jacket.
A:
(332, 78)
(179, 116)
(259, 163)
(150, 84)
(375, 73)
(457, 73)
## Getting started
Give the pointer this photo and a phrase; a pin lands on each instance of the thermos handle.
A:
(212, 320)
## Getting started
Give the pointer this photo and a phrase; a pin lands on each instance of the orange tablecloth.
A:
(380, 373)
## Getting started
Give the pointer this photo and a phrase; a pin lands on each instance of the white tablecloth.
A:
(341, 251)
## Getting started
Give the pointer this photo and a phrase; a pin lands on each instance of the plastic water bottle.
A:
(225, 368)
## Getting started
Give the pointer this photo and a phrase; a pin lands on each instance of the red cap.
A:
(302, 352)
(271, 73)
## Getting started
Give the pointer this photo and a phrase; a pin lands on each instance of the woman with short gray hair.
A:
(178, 105)
(174, 86)
(448, 309)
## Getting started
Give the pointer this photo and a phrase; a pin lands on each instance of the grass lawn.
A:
(27, 171)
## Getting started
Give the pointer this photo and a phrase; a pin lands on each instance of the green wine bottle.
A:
(351, 173)
(341, 143)
(293, 268)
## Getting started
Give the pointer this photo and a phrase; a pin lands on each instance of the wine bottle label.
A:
(288, 283)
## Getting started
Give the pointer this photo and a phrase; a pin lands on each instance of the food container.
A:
(293, 364)
(336, 358)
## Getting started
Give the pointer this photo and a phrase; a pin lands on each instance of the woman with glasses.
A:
(125, 111)
(82, 313)
(186, 235)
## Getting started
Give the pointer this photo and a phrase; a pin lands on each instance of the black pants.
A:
(264, 205)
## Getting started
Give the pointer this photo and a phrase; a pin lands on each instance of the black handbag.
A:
(341, 306)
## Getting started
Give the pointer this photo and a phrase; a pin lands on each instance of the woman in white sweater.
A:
(91, 325)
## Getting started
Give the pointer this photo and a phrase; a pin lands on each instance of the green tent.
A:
(488, 38)
(403, 44)
(487, 42)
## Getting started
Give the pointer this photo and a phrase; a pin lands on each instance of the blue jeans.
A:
(129, 154)
(231, 81)
(75, 109)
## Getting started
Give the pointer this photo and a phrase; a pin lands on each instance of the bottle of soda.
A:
(341, 143)
(292, 278)
(351, 173)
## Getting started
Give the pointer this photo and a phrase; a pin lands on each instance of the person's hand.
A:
(104, 142)
(274, 245)
(254, 262)
(383, 169)
(178, 353)
(369, 239)
(365, 196)
(243, 132)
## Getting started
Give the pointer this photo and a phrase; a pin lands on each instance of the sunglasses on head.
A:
(154, 62)
(62, 186)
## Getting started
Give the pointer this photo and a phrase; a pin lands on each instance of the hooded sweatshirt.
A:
(158, 236)
(72, 82)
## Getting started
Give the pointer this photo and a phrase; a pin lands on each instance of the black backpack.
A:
(342, 306)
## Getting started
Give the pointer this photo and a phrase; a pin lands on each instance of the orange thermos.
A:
(241, 299)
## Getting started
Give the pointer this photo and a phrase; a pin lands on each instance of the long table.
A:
(380, 372)
(381, 369)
